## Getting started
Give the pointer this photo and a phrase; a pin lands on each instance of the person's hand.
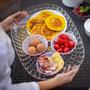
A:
(59, 79)
(66, 77)
(7, 23)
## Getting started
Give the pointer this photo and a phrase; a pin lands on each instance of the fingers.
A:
(68, 74)
(20, 13)
(18, 16)
(24, 13)
(71, 74)
(73, 71)
(75, 68)
(14, 16)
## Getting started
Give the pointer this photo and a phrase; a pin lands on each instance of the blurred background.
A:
(7, 7)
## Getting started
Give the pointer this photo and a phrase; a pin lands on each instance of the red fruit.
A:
(66, 37)
(63, 36)
(66, 41)
(60, 50)
(72, 44)
(67, 44)
(66, 49)
(80, 13)
(60, 41)
(62, 46)
(77, 9)
(55, 42)
(56, 46)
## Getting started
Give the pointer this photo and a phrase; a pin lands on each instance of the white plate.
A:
(53, 11)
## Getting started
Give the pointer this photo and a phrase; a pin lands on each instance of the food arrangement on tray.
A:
(34, 45)
(47, 23)
(50, 63)
(64, 43)
(48, 42)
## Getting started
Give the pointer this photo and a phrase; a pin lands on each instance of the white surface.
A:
(87, 27)
(72, 3)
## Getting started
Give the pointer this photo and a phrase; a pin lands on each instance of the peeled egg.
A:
(35, 42)
(32, 50)
(40, 47)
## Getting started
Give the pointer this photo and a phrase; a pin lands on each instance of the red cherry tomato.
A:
(72, 44)
(60, 41)
(66, 44)
(62, 46)
(65, 41)
(66, 49)
(56, 46)
(60, 50)
(63, 36)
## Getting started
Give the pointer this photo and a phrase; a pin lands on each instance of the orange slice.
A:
(47, 33)
(37, 29)
(56, 22)
(33, 21)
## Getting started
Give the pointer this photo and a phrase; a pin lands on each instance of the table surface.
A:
(82, 79)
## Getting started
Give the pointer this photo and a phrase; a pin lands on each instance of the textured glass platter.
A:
(29, 63)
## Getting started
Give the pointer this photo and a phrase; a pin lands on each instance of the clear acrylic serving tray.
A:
(29, 63)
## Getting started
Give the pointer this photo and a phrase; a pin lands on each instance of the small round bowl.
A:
(27, 41)
(71, 36)
(60, 64)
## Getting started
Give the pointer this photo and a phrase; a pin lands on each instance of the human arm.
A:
(7, 56)
(58, 80)
(6, 59)
(7, 23)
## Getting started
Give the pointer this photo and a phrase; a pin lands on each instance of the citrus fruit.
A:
(37, 29)
(47, 33)
(56, 22)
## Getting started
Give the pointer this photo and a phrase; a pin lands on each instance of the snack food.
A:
(35, 42)
(40, 47)
(47, 33)
(56, 23)
(50, 64)
(34, 45)
(32, 50)
(46, 23)
(64, 43)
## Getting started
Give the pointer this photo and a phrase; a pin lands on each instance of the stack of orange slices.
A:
(47, 24)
